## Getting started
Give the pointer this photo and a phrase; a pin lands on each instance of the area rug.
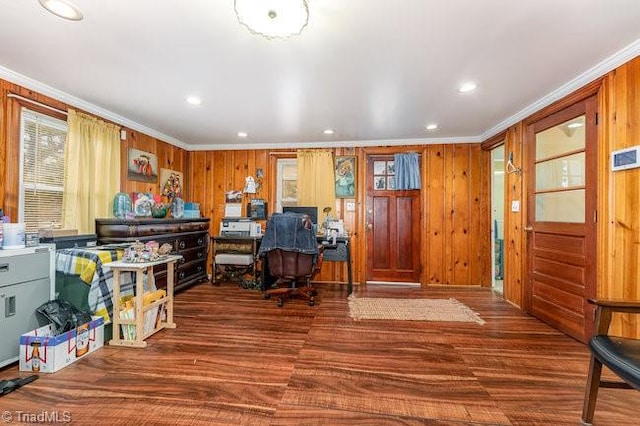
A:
(365, 308)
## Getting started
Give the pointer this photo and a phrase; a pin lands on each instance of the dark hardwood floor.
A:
(237, 359)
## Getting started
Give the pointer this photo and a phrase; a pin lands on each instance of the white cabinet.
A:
(25, 284)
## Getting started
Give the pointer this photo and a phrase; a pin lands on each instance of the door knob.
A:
(528, 228)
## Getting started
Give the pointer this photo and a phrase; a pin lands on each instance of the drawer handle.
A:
(200, 241)
(182, 244)
(181, 261)
(200, 254)
(4, 267)
(181, 275)
(199, 268)
(9, 306)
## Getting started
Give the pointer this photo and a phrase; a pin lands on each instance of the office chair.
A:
(620, 355)
(291, 255)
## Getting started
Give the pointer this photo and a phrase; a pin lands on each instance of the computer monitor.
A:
(311, 211)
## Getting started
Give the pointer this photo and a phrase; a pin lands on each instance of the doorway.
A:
(497, 219)
(392, 226)
(561, 229)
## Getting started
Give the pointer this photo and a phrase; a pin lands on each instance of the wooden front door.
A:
(561, 218)
(393, 225)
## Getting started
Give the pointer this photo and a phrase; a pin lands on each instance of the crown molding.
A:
(336, 144)
(617, 59)
(612, 62)
(71, 100)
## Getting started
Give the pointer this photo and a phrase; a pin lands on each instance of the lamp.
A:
(273, 18)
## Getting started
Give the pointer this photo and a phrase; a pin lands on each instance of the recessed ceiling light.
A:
(63, 8)
(329, 131)
(574, 125)
(194, 100)
(243, 134)
(467, 87)
(431, 127)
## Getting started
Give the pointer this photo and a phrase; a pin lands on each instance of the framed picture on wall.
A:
(171, 183)
(345, 176)
(257, 209)
(142, 166)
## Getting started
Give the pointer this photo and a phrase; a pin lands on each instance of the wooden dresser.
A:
(189, 238)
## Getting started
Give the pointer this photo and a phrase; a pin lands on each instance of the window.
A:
(287, 180)
(42, 143)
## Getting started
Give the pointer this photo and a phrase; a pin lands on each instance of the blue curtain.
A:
(407, 171)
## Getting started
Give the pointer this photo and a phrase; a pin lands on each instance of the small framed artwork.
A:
(171, 183)
(345, 176)
(142, 166)
(257, 209)
(233, 197)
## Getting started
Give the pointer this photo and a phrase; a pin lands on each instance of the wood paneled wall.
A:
(619, 223)
(169, 156)
(515, 261)
(455, 231)
(457, 222)
(618, 247)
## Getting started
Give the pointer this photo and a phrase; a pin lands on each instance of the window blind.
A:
(42, 143)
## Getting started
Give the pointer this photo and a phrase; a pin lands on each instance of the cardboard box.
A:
(53, 353)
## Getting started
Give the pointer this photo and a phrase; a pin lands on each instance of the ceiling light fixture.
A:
(431, 127)
(574, 125)
(467, 87)
(243, 134)
(194, 100)
(63, 8)
(273, 18)
(329, 131)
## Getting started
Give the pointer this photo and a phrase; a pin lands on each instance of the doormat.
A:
(411, 310)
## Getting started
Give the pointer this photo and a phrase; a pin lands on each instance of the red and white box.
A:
(42, 352)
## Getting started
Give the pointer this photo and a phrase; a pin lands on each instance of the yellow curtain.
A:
(315, 184)
(92, 171)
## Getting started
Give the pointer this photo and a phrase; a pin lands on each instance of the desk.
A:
(119, 267)
(236, 245)
(338, 252)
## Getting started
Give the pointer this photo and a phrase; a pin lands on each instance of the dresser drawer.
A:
(189, 255)
(191, 270)
(24, 267)
(185, 242)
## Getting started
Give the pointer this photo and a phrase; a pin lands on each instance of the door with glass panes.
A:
(393, 225)
(561, 228)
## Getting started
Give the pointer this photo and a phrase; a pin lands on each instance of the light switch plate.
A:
(515, 206)
(351, 206)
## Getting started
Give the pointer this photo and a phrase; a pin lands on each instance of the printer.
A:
(239, 227)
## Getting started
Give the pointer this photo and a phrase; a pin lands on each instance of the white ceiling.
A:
(377, 71)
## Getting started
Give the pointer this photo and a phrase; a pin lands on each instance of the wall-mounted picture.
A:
(345, 176)
(233, 197)
(171, 183)
(142, 166)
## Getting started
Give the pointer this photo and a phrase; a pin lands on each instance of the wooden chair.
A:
(620, 355)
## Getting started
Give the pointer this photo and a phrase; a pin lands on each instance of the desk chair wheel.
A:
(280, 301)
(312, 302)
